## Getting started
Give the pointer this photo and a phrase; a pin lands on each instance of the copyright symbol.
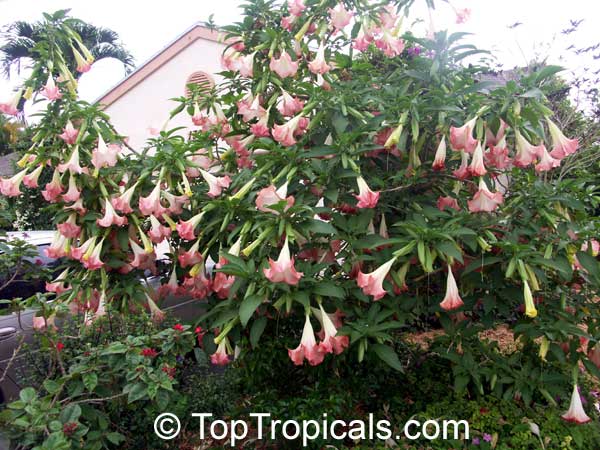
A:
(167, 426)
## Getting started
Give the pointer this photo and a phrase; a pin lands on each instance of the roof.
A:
(194, 33)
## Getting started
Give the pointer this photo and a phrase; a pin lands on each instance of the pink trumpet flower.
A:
(220, 356)
(547, 162)
(285, 134)
(72, 165)
(59, 247)
(10, 108)
(83, 65)
(477, 168)
(576, 413)
(156, 313)
(440, 155)
(69, 134)
(186, 229)
(295, 7)
(58, 285)
(78, 252)
(91, 258)
(176, 202)
(492, 139)
(561, 145)
(339, 16)
(447, 202)
(171, 287)
(11, 186)
(158, 232)
(331, 343)
(151, 204)
(111, 217)
(283, 270)
(142, 258)
(484, 200)
(270, 196)
(122, 203)
(452, 299)
(308, 347)
(526, 153)
(462, 173)
(77, 207)
(215, 184)
(261, 128)
(53, 189)
(190, 257)
(73, 193)
(51, 91)
(284, 66)
(288, 105)
(31, 179)
(372, 283)
(246, 65)
(70, 229)
(390, 46)
(366, 197)
(319, 65)
(105, 155)
(462, 138)
(249, 108)
(497, 156)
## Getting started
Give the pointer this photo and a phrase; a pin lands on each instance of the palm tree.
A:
(20, 38)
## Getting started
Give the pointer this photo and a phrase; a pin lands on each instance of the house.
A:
(140, 104)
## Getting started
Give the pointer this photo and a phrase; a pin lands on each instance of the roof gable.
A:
(158, 60)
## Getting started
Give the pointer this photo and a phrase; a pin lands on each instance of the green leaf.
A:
(258, 327)
(388, 355)
(114, 348)
(52, 387)
(70, 414)
(115, 438)
(546, 72)
(589, 263)
(329, 289)
(135, 392)
(90, 380)
(449, 248)
(559, 264)
(248, 306)
(320, 227)
(27, 395)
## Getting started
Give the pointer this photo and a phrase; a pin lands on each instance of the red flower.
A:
(59, 346)
(178, 327)
(149, 353)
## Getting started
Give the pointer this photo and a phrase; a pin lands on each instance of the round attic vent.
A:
(201, 79)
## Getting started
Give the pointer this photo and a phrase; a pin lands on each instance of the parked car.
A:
(16, 328)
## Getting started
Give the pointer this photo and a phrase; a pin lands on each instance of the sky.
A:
(147, 27)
